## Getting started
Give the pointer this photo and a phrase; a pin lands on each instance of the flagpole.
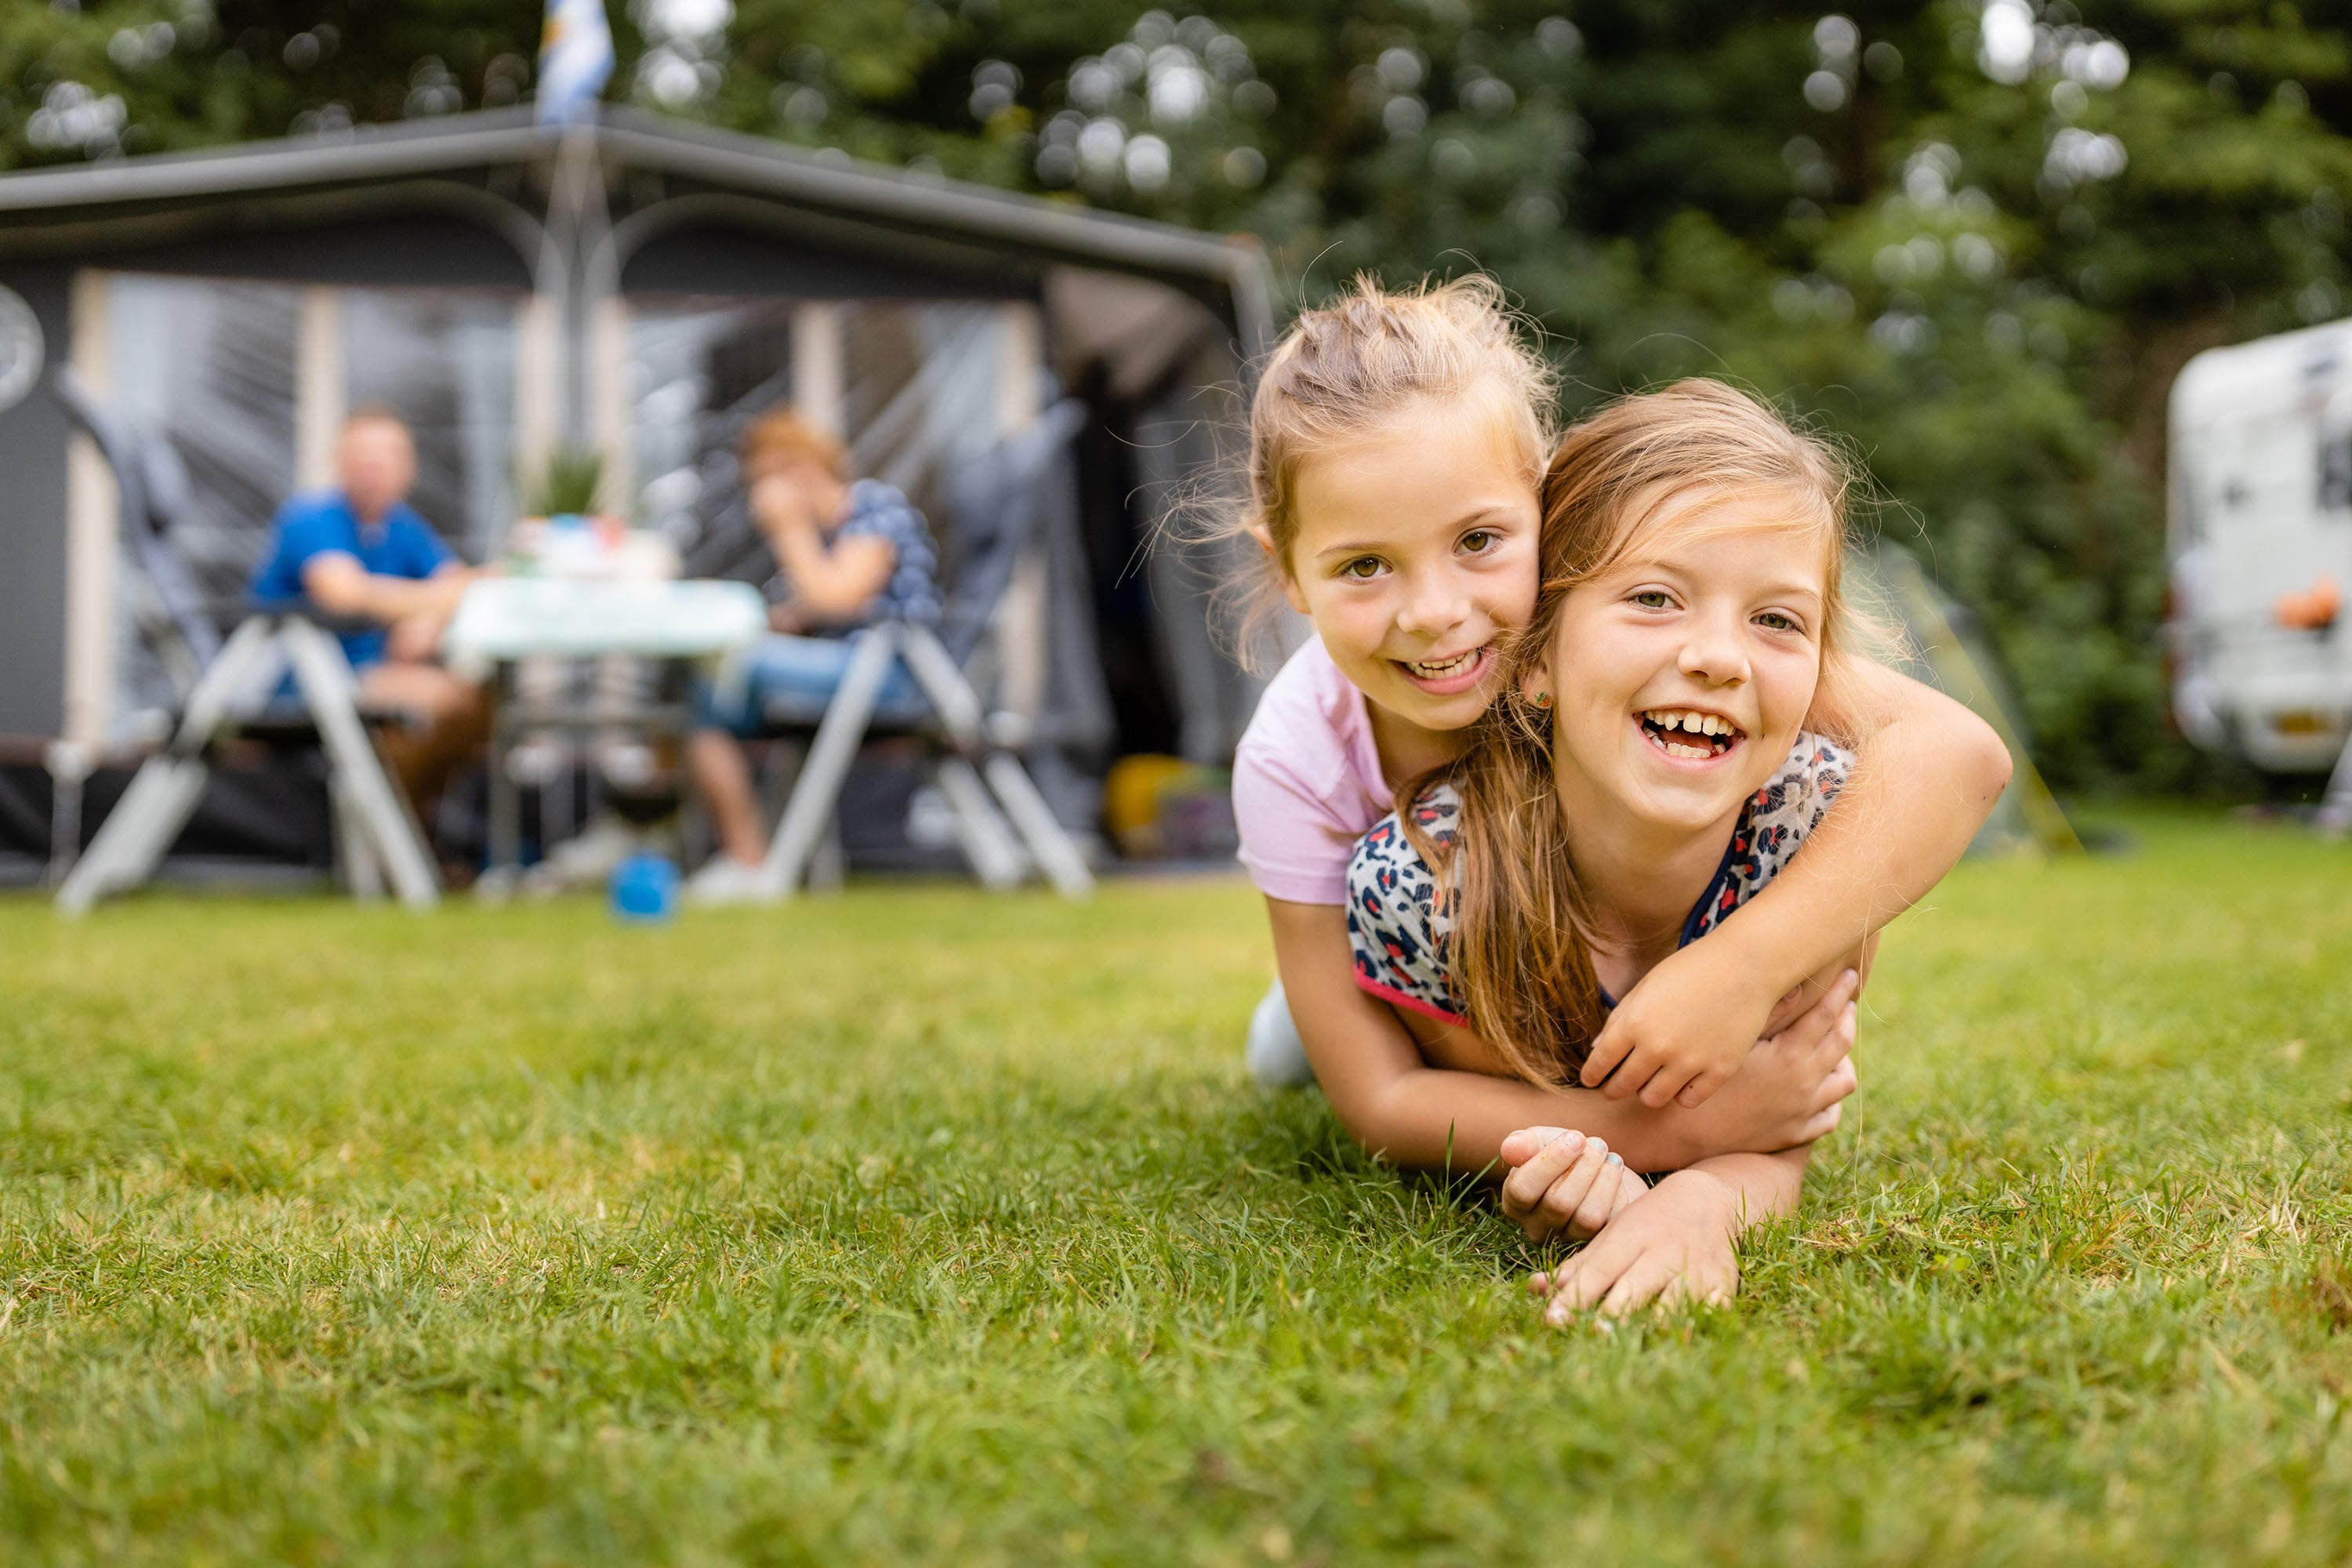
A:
(575, 59)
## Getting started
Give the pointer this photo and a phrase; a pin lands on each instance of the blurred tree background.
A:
(1980, 236)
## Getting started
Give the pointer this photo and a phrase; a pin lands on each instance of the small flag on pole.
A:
(575, 57)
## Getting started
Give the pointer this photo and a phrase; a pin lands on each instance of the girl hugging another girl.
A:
(1609, 711)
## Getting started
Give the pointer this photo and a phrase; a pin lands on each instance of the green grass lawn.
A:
(921, 1225)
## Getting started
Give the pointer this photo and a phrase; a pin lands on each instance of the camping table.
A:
(675, 626)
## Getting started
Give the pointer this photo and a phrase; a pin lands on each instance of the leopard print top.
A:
(1399, 916)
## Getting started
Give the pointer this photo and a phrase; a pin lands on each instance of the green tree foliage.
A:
(98, 80)
(1979, 239)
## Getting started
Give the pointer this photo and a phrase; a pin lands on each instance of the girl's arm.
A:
(1676, 1241)
(1929, 774)
(1561, 1186)
(836, 581)
(1406, 1111)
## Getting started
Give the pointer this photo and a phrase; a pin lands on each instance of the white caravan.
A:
(2261, 549)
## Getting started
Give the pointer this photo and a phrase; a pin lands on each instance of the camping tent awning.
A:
(105, 206)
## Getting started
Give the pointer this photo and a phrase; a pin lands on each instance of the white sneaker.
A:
(724, 880)
(587, 858)
(1277, 1057)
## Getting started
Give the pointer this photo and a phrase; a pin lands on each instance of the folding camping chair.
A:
(234, 689)
(375, 837)
(995, 501)
(150, 485)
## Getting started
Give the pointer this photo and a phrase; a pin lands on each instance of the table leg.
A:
(505, 849)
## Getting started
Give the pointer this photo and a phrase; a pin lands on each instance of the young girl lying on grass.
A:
(1644, 771)
(1397, 442)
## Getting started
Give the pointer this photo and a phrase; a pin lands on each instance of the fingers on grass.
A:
(1645, 1280)
(1629, 1187)
(1840, 1082)
(1587, 1276)
(1563, 1305)
(1566, 1194)
(1523, 1188)
(1716, 1287)
(1600, 1200)
(1528, 1142)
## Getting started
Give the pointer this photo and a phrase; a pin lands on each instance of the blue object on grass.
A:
(644, 890)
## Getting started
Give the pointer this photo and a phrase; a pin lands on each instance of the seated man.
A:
(847, 553)
(361, 552)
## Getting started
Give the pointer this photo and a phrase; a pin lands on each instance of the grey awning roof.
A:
(372, 152)
(84, 198)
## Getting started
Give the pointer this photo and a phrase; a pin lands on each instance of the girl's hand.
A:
(1673, 1246)
(1565, 1181)
(1683, 1031)
(1791, 1089)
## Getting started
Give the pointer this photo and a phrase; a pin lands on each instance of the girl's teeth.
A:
(1696, 752)
(1444, 668)
(1692, 722)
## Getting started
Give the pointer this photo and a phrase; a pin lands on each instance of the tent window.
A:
(210, 366)
(243, 378)
(443, 360)
(699, 370)
(213, 366)
(918, 387)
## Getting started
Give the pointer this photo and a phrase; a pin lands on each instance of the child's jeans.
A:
(1277, 1057)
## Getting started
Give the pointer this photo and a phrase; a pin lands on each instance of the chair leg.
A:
(818, 789)
(327, 689)
(237, 678)
(163, 795)
(952, 696)
(356, 857)
(1049, 845)
(957, 706)
(829, 865)
(775, 777)
(987, 843)
(70, 765)
(138, 832)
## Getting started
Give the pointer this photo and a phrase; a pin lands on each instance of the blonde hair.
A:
(1520, 944)
(781, 436)
(1345, 368)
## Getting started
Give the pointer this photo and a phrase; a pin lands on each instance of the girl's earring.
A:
(1543, 700)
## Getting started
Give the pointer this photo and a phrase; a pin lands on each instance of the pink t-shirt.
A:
(1307, 781)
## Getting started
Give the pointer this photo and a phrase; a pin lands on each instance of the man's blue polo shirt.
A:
(400, 545)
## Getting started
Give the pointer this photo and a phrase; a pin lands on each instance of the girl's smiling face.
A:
(1415, 553)
(1684, 669)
